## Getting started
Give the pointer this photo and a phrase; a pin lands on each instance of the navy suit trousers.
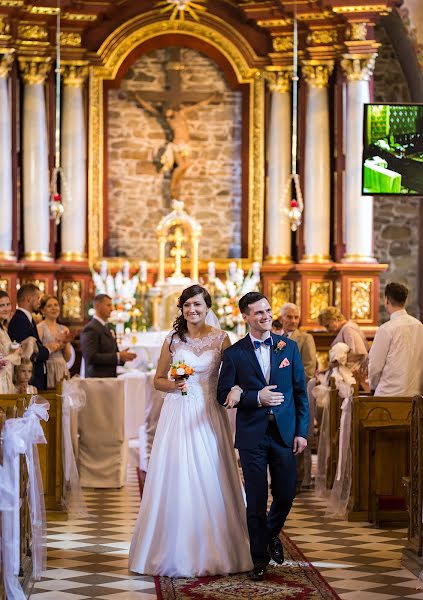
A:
(263, 526)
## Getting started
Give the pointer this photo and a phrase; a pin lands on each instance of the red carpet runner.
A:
(296, 579)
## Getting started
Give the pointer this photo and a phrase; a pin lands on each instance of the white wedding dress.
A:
(192, 519)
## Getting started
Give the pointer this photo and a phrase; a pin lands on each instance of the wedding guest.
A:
(396, 355)
(349, 333)
(9, 351)
(22, 377)
(289, 318)
(98, 342)
(50, 331)
(277, 327)
(22, 327)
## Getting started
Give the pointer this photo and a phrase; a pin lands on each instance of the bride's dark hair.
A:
(180, 323)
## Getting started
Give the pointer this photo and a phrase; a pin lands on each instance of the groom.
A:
(271, 424)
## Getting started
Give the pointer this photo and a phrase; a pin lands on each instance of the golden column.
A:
(278, 231)
(317, 162)
(6, 187)
(74, 162)
(34, 71)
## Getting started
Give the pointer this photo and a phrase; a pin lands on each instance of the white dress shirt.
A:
(396, 357)
(263, 356)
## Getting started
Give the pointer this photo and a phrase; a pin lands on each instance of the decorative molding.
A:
(14, 3)
(317, 76)
(356, 32)
(382, 9)
(279, 81)
(358, 67)
(74, 73)
(6, 62)
(322, 37)
(274, 22)
(78, 17)
(41, 10)
(70, 38)
(32, 32)
(34, 70)
(283, 43)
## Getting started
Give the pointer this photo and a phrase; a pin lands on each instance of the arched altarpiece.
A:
(225, 45)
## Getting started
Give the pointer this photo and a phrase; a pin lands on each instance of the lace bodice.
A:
(203, 354)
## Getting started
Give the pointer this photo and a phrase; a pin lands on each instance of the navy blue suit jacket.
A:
(21, 328)
(241, 367)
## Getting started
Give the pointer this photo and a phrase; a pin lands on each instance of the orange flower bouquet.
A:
(181, 370)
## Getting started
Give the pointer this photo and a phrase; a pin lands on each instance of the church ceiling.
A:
(325, 26)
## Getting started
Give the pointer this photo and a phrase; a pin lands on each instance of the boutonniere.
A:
(112, 332)
(279, 346)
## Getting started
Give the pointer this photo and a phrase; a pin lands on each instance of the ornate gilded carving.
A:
(71, 299)
(361, 299)
(41, 10)
(32, 32)
(4, 284)
(317, 75)
(4, 27)
(75, 73)
(366, 8)
(319, 297)
(78, 17)
(274, 22)
(358, 67)
(280, 293)
(322, 37)
(356, 32)
(279, 81)
(6, 61)
(283, 43)
(70, 38)
(256, 170)
(14, 3)
(298, 294)
(34, 70)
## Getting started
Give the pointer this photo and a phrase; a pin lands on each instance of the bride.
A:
(192, 517)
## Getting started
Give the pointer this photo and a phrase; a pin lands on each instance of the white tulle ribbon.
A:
(344, 381)
(20, 436)
(73, 400)
(321, 393)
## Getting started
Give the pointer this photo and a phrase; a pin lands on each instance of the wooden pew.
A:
(11, 408)
(412, 556)
(50, 454)
(380, 457)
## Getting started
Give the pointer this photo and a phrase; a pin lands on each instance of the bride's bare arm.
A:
(161, 381)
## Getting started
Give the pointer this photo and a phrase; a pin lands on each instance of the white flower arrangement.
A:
(227, 293)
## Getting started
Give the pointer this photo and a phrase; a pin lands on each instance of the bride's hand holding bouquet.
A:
(179, 372)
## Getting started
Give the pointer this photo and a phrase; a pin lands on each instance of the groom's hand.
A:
(268, 397)
(300, 444)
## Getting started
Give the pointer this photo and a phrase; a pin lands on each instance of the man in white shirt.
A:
(396, 355)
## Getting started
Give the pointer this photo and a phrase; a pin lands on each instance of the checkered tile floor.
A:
(88, 558)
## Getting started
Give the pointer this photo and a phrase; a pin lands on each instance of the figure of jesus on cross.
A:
(171, 109)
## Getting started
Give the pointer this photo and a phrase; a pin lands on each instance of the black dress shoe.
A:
(258, 573)
(276, 550)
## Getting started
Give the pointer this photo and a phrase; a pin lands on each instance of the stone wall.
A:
(138, 193)
(396, 219)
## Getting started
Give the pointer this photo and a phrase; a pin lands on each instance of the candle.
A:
(211, 271)
(103, 269)
(143, 271)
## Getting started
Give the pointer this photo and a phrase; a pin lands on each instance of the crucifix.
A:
(171, 107)
(178, 252)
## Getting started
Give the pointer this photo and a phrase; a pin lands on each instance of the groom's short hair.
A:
(247, 299)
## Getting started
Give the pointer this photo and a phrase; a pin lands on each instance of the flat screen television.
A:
(393, 150)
